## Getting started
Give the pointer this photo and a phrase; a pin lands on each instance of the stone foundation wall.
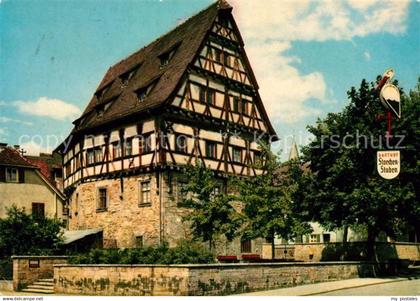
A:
(28, 269)
(125, 219)
(6, 285)
(385, 251)
(407, 250)
(212, 279)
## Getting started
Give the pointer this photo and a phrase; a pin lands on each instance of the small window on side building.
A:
(38, 210)
(12, 175)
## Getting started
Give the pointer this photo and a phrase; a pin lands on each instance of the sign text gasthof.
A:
(388, 164)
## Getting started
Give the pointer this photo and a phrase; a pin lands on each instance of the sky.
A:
(306, 55)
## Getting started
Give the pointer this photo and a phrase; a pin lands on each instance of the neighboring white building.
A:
(22, 184)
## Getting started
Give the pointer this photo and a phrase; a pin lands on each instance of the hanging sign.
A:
(388, 164)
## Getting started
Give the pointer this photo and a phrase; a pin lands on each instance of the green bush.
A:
(352, 251)
(24, 234)
(6, 268)
(186, 252)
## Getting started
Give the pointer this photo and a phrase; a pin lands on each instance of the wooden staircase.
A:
(42, 286)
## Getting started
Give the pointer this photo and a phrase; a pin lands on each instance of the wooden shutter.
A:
(21, 172)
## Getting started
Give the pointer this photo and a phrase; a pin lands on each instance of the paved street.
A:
(349, 287)
(400, 288)
(338, 286)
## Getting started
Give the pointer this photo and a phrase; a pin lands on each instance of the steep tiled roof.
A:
(46, 163)
(186, 38)
(11, 157)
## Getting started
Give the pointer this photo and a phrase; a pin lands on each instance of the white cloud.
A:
(32, 148)
(363, 5)
(4, 119)
(367, 56)
(48, 107)
(283, 89)
(269, 27)
(319, 20)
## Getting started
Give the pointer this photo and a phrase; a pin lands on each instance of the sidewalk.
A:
(323, 287)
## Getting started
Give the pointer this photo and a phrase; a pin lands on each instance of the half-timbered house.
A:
(189, 95)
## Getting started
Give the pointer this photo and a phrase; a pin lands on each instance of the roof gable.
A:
(11, 157)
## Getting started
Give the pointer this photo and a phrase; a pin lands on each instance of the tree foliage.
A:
(24, 234)
(344, 187)
(212, 214)
(268, 200)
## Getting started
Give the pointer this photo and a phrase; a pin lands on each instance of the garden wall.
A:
(28, 269)
(205, 279)
(331, 251)
(334, 251)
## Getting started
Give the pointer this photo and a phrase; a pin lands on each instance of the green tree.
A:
(345, 189)
(24, 234)
(212, 214)
(268, 200)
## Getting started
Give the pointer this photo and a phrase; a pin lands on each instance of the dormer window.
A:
(100, 109)
(99, 94)
(142, 93)
(127, 76)
(167, 56)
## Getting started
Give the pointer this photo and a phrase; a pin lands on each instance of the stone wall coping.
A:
(40, 256)
(216, 265)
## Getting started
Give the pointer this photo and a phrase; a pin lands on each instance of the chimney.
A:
(2, 146)
(16, 146)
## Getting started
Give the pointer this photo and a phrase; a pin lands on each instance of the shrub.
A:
(186, 252)
(24, 234)
(6, 268)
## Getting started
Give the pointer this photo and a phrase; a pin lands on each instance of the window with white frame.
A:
(98, 154)
(90, 156)
(314, 238)
(146, 143)
(145, 193)
(11, 174)
(116, 150)
(210, 149)
(237, 155)
(181, 143)
(128, 147)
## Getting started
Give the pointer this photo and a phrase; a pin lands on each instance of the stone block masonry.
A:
(28, 269)
(198, 280)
